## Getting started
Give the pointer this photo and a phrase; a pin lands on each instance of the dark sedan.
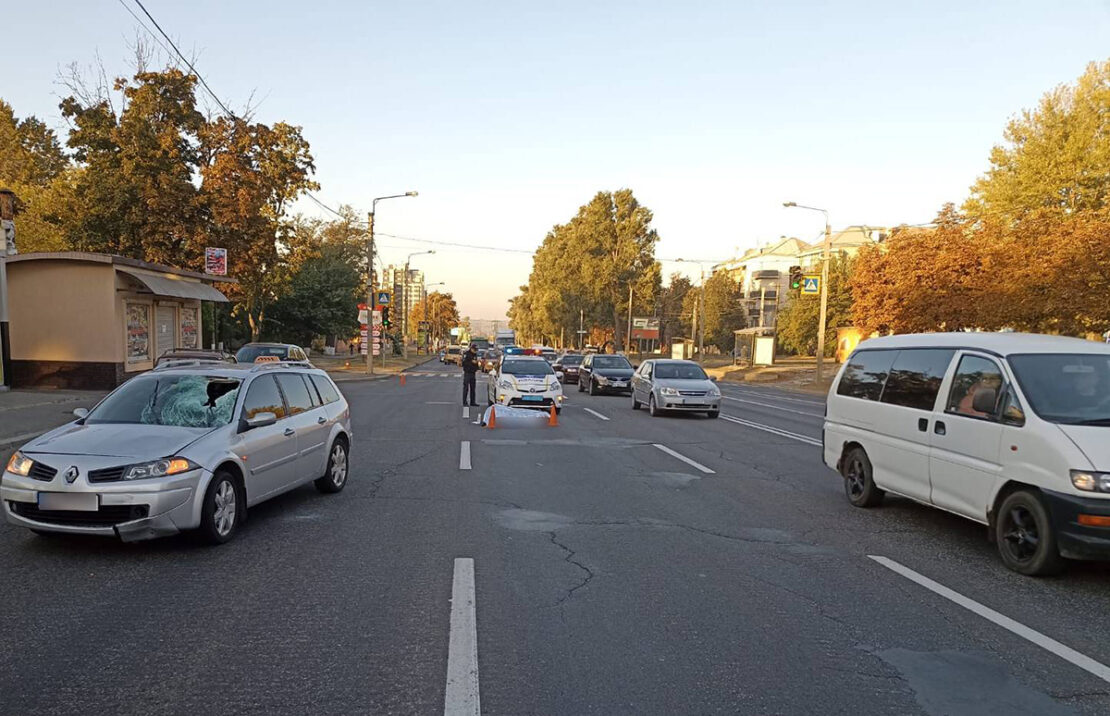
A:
(600, 373)
(569, 363)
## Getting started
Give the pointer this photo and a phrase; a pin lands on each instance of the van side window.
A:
(915, 378)
(866, 374)
(974, 374)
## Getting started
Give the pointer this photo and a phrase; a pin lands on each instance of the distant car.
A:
(182, 448)
(568, 364)
(524, 381)
(487, 359)
(453, 354)
(666, 384)
(251, 352)
(193, 356)
(548, 354)
(602, 373)
(482, 343)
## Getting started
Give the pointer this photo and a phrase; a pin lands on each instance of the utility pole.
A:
(628, 336)
(581, 331)
(694, 317)
(7, 248)
(370, 297)
(824, 298)
(701, 323)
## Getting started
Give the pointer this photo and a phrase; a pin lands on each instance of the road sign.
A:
(811, 285)
(377, 318)
(384, 298)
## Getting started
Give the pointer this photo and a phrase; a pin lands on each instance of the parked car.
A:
(1010, 430)
(453, 354)
(568, 364)
(251, 352)
(679, 385)
(487, 359)
(602, 373)
(187, 356)
(168, 451)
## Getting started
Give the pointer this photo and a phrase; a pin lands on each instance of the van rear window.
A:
(866, 374)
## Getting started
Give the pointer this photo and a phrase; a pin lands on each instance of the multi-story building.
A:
(406, 295)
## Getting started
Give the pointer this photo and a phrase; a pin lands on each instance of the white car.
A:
(1006, 429)
(525, 381)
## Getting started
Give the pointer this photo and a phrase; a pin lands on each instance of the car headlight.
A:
(1089, 481)
(20, 464)
(669, 391)
(159, 468)
(714, 391)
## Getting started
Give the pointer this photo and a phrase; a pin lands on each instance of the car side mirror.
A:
(985, 401)
(260, 420)
(80, 412)
(713, 378)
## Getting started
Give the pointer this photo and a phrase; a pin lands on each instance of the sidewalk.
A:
(348, 368)
(787, 373)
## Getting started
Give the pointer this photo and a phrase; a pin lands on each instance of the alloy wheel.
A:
(224, 514)
(338, 465)
(856, 478)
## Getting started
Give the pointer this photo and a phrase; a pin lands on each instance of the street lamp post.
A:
(824, 284)
(405, 304)
(370, 279)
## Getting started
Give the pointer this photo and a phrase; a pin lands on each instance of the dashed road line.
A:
(683, 458)
(466, 411)
(772, 396)
(595, 414)
(464, 455)
(461, 697)
(1045, 642)
(773, 407)
(774, 431)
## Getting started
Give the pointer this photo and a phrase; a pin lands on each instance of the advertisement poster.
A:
(189, 333)
(138, 332)
(215, 261)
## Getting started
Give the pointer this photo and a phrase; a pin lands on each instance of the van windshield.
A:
(1068, 388)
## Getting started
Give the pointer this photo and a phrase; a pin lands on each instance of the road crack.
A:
(589, 574)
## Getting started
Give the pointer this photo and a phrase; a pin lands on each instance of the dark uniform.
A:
(470, 368)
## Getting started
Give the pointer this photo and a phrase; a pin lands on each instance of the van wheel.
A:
(859, 481)
(1026, 540)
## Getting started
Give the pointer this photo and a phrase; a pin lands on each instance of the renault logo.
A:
(71, 474)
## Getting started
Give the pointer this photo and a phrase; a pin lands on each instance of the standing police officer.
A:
(470, 368)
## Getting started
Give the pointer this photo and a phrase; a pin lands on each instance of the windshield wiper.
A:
(1092, 421)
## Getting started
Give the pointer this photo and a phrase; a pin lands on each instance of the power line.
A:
(142, 24)
(458, 244)
(185, 60)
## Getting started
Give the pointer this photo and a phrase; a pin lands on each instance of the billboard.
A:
(215, 261)
(645, 328)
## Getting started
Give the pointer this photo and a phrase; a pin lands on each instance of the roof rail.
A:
(185, 362)
(282, 364)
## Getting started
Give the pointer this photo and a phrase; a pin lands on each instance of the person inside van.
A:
(965, 406)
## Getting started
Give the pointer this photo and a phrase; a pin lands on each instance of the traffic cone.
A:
(553, 420)
(402, 378)
(492, 417)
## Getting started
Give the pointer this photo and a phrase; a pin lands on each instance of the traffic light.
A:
(796, 277)
(386, 322)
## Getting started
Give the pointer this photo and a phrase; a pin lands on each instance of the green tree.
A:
(723, 311)
(321, 297)
(34, 166)
(672, 323)
(797, 322)
(1055, 157)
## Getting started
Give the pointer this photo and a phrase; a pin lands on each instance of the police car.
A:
(524, 379)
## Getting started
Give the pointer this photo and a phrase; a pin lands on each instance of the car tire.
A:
(593, 387)
(714, 414)
(635, 403)
(335, 477)
(1025, 537)
(580, 386)
(653, 409)
(222, 509)
(859, 480)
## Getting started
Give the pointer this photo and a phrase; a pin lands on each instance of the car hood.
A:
(1093, 441)
(136, 442)
(685, 383)
(613, 372)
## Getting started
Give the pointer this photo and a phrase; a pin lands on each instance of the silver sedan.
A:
(679, 385)
(180, 449)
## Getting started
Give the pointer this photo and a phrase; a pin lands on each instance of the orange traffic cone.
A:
(402, 378)
(492, 417)
(554, 419)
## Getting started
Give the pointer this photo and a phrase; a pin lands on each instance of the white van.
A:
(1008, 429)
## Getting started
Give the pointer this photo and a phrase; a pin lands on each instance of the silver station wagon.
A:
(183, 448)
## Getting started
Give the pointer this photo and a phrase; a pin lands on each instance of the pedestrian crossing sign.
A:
(383, 298)
(811, 285)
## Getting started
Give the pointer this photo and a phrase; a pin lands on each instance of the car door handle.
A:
(923, 424)
(289, 432)
(939, 428)
(321, 420)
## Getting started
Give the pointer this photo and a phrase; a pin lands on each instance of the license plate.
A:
(73, 501)
(533, 397)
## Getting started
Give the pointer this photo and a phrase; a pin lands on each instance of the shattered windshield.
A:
(187, 401)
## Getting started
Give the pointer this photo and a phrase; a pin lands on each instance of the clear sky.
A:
(507, 116)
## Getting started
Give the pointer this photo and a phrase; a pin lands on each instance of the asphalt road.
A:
(725, 574)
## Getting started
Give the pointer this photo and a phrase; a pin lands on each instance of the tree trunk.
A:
(617, 335)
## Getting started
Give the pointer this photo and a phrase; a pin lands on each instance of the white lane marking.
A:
(683, 458)
(461, 697)
(439, 402)
(1045, 642)
(773, 407)
(464, 455)
(774, 431)
(595, 414)
(771, 396)
(466, 411)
